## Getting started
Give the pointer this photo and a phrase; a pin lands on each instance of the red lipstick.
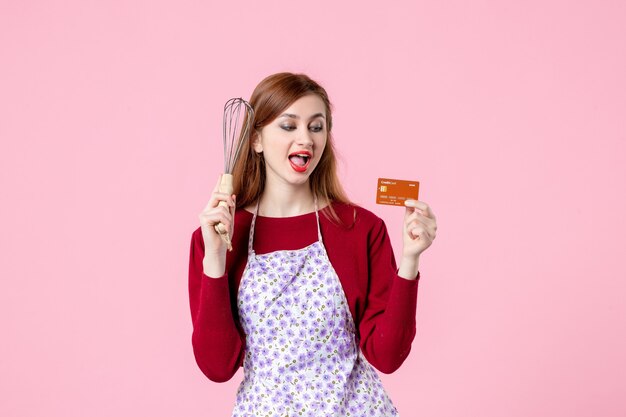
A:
(300, 160)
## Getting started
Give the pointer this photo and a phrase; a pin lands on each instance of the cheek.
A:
(318, 155)
(321, 145)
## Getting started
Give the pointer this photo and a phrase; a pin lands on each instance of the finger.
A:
(410, 211)
(421, 233)
(416, 232)
(217, 197)
(415, 203)
(211, 223)
(411, 221)
(427, 221)
(417, 219)
(425, 208)
(221, 209)
(214, 218)
(427, 224)
(219, 181)
(216, 189)
(219, 214)
(417, 215)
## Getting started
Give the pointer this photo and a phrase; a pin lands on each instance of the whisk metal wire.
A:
(238, 117)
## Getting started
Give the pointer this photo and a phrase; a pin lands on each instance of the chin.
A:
(300, 180)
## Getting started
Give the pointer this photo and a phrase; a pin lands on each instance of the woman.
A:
(305, 302)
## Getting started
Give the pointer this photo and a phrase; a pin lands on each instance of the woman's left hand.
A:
(420, 228)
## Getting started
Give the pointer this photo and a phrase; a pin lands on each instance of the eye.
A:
(316, 128)
(288, 128)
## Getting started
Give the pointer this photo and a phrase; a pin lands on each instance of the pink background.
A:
(510, 113)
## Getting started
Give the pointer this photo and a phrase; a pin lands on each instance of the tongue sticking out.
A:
(298, 160)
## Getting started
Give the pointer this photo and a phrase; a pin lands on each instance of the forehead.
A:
(306, 106)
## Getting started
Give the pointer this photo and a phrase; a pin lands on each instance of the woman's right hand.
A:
(214, 262)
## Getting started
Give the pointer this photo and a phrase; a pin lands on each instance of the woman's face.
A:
(292, 144)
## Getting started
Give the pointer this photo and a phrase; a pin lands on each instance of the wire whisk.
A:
(238, 117)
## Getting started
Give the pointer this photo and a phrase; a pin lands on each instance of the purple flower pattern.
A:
(301, 357)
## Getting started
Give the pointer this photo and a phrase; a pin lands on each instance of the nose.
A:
(305, 138)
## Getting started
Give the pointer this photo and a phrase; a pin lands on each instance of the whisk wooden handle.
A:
(226, 187)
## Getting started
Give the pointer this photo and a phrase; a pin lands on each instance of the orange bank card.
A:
(394, 192)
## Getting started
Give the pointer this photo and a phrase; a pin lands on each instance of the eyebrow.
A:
(295, 116)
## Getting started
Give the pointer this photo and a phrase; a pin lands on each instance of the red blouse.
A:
(383, 305)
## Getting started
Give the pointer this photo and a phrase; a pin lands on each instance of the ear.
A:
(256, 143)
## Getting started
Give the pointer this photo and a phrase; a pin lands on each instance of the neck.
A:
(283, 200)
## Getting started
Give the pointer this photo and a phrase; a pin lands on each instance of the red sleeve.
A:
(387, 327)
(218, 345)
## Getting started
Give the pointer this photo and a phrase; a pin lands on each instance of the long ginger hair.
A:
(269, 100)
